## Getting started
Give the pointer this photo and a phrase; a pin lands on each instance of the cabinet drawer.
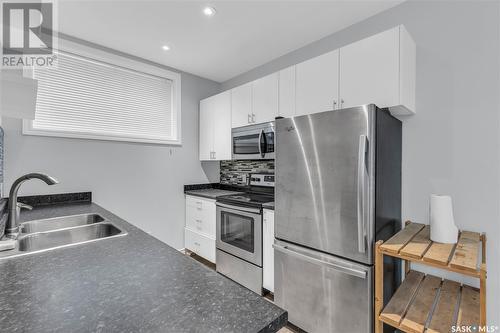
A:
(201, 220)
(199, 244)
(199, 203)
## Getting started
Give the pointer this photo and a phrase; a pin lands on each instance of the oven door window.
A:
(246, 144)
(237, 230)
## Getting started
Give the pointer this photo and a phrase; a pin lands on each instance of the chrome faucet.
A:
(12, 225)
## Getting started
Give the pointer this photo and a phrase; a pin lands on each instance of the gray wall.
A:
(452, 144)
(140, 182)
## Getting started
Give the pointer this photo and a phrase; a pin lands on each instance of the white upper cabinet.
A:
(380, 69)
(317, 84)
(215, 127)
(18, 91)
(255, 102)
(286, 92)
(222, 126)
(206, 129)
(241, 105)
(265, 99)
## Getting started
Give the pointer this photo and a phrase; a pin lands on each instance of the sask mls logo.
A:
(27, 34)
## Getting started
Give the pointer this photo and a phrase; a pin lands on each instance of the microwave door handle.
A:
(261, 153)
(264, 137)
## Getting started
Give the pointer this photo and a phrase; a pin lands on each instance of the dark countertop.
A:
(211, 193)
(133, 283)
(268, 205)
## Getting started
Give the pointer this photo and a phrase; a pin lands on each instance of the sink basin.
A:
(64, 237)
(60, 223)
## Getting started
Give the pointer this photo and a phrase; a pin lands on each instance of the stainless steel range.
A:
(239, 232)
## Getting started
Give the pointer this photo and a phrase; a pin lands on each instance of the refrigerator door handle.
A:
(348, 270)
(363, 142)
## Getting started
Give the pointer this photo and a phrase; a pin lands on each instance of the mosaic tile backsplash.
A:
(236, 172)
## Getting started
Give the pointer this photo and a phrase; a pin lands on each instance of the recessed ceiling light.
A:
(165, 47)
(209, 11)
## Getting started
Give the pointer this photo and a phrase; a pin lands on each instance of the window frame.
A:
(126, 63)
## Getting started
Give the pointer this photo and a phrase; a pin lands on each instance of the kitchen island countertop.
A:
(133, 283)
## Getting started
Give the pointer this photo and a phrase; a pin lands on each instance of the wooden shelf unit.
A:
(425, 302)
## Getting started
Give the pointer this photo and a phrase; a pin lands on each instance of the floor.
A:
(287, 329)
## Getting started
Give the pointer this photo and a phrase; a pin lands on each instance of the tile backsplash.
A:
(236, 172)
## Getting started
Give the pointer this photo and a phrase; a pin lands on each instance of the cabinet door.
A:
(268, 251)
(369, 71)
(286, 100)
(222, 126)
(18, 93)
(265, 98)
(241, 105)
(206, 129)
(317, 84)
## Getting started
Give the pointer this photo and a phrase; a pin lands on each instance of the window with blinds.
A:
(90, 99)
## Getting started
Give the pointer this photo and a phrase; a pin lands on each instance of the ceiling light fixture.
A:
(209, 11)
(165, 47)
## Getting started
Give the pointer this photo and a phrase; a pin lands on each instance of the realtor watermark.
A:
(28, 34)
(474, 329)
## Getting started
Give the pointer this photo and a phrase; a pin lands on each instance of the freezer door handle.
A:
(348, 270)
(363, 143)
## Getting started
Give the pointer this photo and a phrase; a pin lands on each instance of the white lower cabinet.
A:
(268, 252)
(199, 244)
(200, 227)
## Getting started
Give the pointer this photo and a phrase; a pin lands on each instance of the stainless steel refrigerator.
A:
(338, 190)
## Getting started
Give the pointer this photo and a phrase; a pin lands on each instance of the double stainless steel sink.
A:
(46, 234)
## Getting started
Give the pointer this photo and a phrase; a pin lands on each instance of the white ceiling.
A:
(241, 36)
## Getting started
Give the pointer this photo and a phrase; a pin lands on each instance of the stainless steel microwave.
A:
(253, 142)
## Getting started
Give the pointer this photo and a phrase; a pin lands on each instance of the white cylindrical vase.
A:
(443, 228)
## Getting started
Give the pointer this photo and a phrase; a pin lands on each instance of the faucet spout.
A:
(12, 225)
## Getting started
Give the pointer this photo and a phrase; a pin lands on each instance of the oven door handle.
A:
(244, 209)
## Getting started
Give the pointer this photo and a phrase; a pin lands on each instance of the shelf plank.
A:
(475, 274)
(466, 252)
(419, 244)
(396, 308)
(413, 244)
(399, 240)
(444, 313)
(468, 313)
(439, 253)
(421, 306)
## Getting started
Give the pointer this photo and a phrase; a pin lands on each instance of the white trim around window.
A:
(127, 64)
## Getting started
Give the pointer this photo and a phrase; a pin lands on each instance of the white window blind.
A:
(91, 99)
